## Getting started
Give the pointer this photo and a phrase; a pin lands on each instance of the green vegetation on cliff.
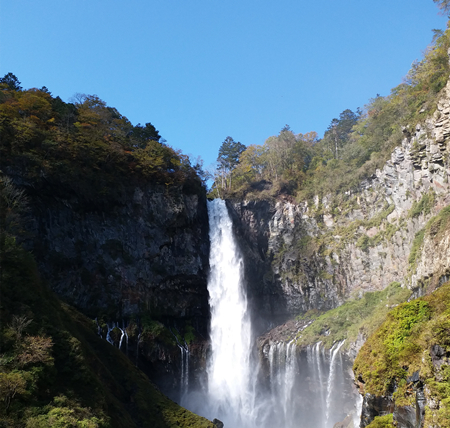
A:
(382, 421)
(356, 317)
(83, 148)
(414, 338)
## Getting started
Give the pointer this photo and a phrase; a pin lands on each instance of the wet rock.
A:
(375, 406)
(413, 378)
(346, 423)
(218, 424)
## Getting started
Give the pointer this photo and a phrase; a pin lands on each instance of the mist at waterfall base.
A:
(274, 387)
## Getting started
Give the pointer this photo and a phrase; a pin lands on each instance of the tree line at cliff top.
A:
(354, 145)
(85, 145)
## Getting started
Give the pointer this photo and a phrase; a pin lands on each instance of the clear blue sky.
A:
(201, 70)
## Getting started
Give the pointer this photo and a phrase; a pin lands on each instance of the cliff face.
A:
(316, 254)
(137, 263)
(146, 253)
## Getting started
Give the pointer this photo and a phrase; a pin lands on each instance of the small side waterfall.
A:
(316, 361)
(333, 352)
(137, 349)
(184, 377)
(184, 369)
(283, 372)
(111, 327)
(124, 335)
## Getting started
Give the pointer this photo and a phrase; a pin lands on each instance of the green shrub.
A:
(424, 206)
(401, 346)
(385, 421)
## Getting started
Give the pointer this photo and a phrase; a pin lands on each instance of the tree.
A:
(141, 135)
(444, 5)
(11, 384)
(285, 155)
(35, 349)
(228, 159)
(338, 132)
(18, 325)
(229, 152)
(11, 82)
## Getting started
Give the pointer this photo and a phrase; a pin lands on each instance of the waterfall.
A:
(137, 349)
(315, 362)
(229, 374)
(283, 388)
(282, 368)
(358, 411)
(290, 368)
(319, 370)
(111, 327)
(184, 369)
(124, 333)
(333, 352)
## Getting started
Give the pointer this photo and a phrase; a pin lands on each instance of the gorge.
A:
(118, 273)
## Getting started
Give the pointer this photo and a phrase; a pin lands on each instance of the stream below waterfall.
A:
(276, 387)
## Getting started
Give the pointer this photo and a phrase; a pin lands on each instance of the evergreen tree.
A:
(338, 132)
(228, 159)
(11, 82)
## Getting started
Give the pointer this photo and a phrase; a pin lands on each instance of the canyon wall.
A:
(394, 228)
(138, 264)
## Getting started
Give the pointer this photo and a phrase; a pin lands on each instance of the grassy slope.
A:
(355, 317)
(82, 380)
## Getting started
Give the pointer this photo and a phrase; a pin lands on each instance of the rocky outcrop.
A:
(406, 416)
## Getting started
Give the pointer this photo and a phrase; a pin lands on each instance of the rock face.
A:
(148, 253)
(316, 254)
(410, 416)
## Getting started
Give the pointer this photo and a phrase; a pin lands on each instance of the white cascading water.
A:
(313, 355)
(316, 353)
(184, 369)
(333, 352)
(283, 370)
(298, 394)
(229, 375)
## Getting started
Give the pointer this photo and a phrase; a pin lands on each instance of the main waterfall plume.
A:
(229, 379)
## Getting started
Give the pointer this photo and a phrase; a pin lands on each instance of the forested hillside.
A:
(86, 147)
(55, 370)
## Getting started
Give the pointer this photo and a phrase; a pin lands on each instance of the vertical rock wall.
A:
(316, 254)
(148, 252)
